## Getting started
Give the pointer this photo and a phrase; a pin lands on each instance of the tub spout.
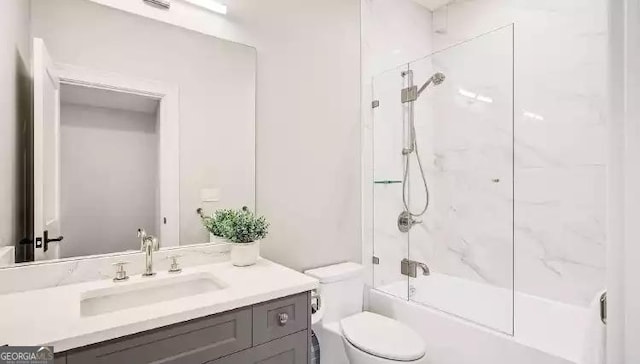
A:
(425, 269)
(410, 268)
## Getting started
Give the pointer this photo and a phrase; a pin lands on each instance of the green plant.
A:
(238, 225)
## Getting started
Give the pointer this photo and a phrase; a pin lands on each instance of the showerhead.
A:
(438, 78)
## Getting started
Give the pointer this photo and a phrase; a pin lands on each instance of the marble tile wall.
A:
(559, 128)
(560, 137)
(394, 32)
(464, 127)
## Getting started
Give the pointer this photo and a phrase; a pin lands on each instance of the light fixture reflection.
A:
(210, 5)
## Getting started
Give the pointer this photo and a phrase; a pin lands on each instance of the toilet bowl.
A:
(347, 334)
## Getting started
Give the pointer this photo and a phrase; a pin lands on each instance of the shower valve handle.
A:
(406, 221)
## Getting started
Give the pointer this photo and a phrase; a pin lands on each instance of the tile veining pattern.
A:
(560, 94)
(559, 159)
(27, 277)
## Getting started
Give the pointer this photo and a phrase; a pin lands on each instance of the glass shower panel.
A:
(464, 136)
(390, 246)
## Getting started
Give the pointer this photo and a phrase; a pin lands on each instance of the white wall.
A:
(308, 128)
(15, 65)
(216, 80)
(108, 178)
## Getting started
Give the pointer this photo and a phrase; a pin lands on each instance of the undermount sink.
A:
(147, 292)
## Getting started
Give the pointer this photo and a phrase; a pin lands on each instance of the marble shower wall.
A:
(559, 127)
(560, 136)
(393, 32)
(464, 131)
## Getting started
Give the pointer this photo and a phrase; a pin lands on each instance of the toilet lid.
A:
(382, 337)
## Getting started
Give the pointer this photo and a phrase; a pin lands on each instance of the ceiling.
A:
(433, 4)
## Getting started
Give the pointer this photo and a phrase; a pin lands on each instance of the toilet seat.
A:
(382, 337)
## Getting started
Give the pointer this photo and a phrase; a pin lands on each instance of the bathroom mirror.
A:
(115, 129)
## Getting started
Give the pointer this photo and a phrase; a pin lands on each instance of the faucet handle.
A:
(175, 267)
(121, 274)
(142, 233)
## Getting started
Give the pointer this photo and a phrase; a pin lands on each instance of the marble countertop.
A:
(52, 316)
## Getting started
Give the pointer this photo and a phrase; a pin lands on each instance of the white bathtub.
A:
(465, 322)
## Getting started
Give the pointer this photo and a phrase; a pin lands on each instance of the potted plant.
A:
(243, 229)
(216, 224)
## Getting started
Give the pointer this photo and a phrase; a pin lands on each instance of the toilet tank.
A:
(341, 289)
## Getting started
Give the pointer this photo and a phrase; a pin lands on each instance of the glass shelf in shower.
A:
(387, 182)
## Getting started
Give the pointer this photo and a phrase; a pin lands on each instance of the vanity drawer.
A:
(196, 341)
(279, 318)
(292, 349)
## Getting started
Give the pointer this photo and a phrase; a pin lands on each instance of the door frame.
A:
(623, 177)
(168, 96)
(44, 69)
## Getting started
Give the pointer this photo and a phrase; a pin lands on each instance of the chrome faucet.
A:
(148, 244)
(425, 269)
(410, 268)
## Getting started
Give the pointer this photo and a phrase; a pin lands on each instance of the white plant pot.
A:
(243, 255)
(218, 240)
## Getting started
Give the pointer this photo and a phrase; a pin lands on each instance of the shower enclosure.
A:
(447, 147)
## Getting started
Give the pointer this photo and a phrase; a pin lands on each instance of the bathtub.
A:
(466, 322)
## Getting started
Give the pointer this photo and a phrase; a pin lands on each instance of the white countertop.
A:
(51, 316)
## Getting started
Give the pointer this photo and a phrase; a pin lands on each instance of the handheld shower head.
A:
(438, 78)
(435, 79)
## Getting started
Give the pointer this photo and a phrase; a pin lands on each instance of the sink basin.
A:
(147, 292)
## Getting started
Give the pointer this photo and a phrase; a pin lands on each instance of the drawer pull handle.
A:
(282, 319)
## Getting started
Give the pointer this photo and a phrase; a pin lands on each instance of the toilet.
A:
(349, 335)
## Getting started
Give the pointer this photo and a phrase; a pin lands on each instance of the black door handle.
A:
(46, 240)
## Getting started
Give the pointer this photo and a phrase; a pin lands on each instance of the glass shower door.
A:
(388, 132)
(460, 125)
(464, 137)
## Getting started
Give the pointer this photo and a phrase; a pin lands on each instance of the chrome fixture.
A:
(316, 301)
(406, 221)
(408, 96)
(603, 308)
(175, 267)
(283, 318)
(411, 93)
(162, 4)
(148, 244)
(410, 268)
(121, 274)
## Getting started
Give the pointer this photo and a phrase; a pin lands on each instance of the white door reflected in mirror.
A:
(46, 153)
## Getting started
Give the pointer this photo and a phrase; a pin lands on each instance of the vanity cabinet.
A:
(290, 349)
(268, 333)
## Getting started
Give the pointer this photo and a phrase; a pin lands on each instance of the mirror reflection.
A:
(123, 131)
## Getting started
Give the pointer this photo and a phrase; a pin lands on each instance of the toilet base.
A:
(331, 346)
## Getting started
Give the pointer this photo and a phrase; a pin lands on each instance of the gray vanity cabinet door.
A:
(292, 349)
(196, 341)
(281, 317)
